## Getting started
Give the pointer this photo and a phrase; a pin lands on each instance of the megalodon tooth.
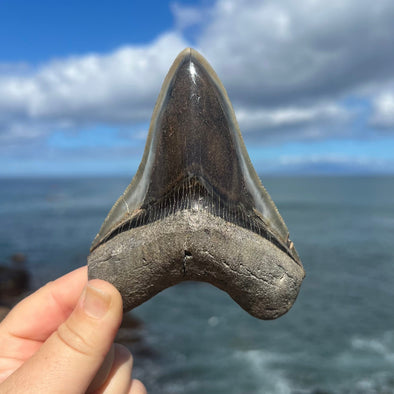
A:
(196, 209)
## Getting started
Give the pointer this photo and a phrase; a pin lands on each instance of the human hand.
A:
(58, 340)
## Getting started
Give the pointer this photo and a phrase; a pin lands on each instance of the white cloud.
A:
(118, 87)
(286, 52)
(284, 63)
(289, 160)
(383, 106)
(332, 163)
(187, 16)
(259, 119)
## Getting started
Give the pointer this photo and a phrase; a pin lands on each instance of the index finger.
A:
(38, 316)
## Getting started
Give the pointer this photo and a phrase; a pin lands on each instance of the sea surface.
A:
(338, 337)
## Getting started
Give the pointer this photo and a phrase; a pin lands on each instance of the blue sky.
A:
(312, 82)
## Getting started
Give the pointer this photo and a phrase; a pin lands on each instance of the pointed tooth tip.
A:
(194, 56)
(186, 52)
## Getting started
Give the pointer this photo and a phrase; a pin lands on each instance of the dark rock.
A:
(14, 280)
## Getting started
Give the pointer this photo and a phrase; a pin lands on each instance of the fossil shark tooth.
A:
(196, 209)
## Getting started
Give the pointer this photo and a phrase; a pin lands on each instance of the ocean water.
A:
(338, 337)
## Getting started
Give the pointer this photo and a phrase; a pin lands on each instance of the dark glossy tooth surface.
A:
(196, 209)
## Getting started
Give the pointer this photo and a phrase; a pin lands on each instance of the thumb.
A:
(69, 360)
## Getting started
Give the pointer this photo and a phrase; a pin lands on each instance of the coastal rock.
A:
(14, 279)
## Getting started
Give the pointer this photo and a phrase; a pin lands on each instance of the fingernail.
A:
(96, 302)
